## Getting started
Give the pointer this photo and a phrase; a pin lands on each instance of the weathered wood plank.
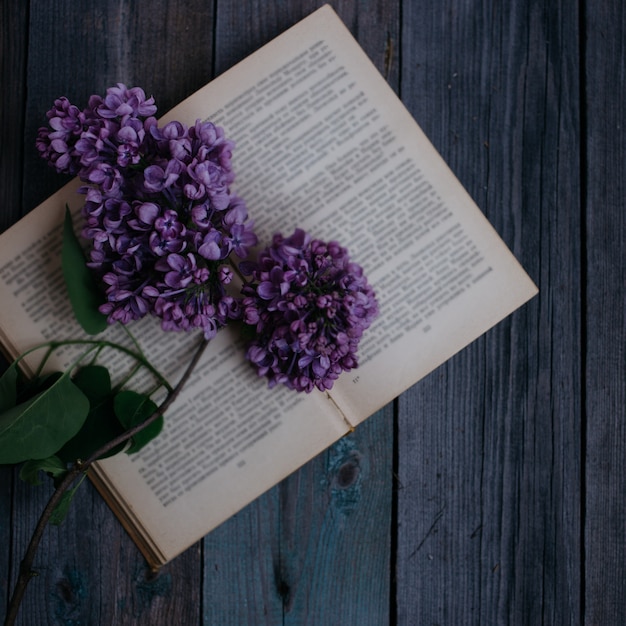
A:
(13, 44)
(239, 584)
(605, 282)
(90, 570)
(6, 491)
(489, 468)
(315, 549)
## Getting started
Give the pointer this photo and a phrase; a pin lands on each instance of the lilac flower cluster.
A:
(309, 305)
(159, 211)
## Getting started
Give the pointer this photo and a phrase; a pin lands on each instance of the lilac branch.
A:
(26, 572)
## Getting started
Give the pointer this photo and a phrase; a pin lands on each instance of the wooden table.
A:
(492, 492)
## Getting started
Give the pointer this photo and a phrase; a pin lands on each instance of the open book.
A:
(323, 144)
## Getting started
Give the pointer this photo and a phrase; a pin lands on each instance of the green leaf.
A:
(37, 428)
(32, 386)
(131, 409)
(101, 425)
(94, 381)
(53, 466)
(8, 388)
(61, 509)
(82, 288)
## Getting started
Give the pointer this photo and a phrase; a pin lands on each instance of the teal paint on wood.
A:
(69, 596)
(90, 572)
(316, 548)
(239, 578)
(345, 466)
(335, 558)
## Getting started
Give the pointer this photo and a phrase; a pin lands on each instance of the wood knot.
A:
(348, 473)
(345, 474)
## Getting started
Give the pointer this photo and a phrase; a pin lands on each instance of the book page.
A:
(323, 143)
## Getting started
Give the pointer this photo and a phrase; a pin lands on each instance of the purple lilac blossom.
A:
(159, 211)
(308, 305)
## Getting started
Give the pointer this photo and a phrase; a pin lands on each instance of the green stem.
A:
(43, 361)
(134, 340)
(99, 344)
(137, 366)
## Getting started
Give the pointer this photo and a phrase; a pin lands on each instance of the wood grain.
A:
(13, 42)
(605, 309)
(6, 491)
(489, 504)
